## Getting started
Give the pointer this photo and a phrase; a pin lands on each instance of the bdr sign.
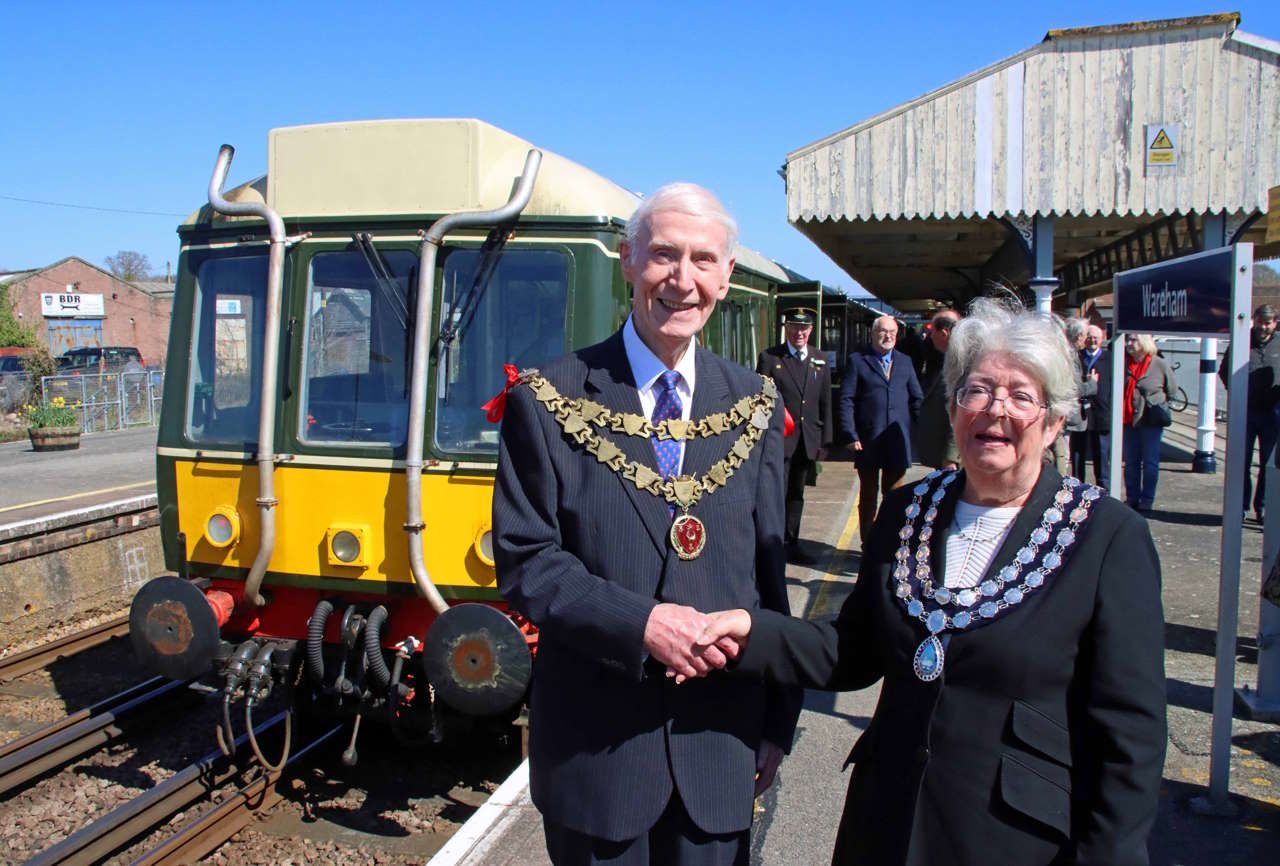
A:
(71, 304)
(1190, 296)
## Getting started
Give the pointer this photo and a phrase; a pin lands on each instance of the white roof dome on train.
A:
(426, 166)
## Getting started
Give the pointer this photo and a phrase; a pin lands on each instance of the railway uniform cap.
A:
(799, 316)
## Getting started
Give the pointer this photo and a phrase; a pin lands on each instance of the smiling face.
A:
(1001, 456)
(1093, 338)
(798, 335)
(678, 271)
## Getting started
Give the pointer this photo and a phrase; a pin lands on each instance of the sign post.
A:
(1201, 295)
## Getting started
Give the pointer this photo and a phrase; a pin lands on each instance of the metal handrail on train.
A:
(431, 241)
(266, 500)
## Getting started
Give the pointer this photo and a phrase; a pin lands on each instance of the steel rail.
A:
(114, 830)
(40, 751)
(205, 834)
(20, 664)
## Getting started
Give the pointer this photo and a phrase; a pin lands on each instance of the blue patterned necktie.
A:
(667, 407)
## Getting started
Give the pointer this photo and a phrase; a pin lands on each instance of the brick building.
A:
(73, 303)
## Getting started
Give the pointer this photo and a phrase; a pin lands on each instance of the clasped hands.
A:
(691, 643)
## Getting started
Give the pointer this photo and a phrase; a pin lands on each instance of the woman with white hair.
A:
(1148, 382)
(1014, 617)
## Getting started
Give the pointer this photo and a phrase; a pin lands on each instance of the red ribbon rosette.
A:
(788, 423)
(495, 408)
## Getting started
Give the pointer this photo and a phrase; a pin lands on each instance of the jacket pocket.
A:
(1041, 732)
(1034, 794)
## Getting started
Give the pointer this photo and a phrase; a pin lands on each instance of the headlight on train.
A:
(222, 529)
(483, 546)
(346, 545)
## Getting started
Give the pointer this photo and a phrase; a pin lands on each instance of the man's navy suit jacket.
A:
(585, 555)
(880, 412)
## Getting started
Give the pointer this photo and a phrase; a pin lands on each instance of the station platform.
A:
(796, 819)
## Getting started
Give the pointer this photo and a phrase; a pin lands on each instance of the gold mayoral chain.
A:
(579, 417)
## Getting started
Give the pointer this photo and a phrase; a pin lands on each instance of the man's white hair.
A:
(1032, 341)
(680, 197)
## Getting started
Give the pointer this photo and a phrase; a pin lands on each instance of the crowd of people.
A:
(648, 494)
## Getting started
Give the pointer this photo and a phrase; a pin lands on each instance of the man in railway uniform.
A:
(804, 381)
(879, 403)
(639, 483)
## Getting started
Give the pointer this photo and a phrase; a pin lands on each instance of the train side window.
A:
(496, 308)
(226, 351)
(355, 384)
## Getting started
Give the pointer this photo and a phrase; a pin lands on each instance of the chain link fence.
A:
(109, 401)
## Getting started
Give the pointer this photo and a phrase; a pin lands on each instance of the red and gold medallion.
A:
(688, 536)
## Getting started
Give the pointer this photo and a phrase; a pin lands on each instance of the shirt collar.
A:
(799, 353)
(645, 366)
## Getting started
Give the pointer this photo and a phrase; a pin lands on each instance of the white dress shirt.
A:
(799, 354)
(646, 368)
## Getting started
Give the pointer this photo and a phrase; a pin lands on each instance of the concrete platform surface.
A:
(796, 819)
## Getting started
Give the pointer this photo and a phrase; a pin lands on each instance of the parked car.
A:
(100, 359)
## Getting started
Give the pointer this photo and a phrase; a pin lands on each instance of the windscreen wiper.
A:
(382, 277)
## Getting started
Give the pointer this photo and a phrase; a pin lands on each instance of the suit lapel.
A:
(614, 386)
(795, 368)
(711, 395)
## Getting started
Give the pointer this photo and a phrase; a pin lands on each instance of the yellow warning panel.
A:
(1162, 144)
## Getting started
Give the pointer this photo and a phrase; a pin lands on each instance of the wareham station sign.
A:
(1189, 296)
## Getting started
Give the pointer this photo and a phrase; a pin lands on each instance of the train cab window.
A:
(495, 309)
(355, 385)
(226, 351)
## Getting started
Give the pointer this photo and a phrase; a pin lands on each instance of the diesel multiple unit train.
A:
(325, 461)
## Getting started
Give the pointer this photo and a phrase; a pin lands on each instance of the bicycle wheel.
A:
(1178, 402)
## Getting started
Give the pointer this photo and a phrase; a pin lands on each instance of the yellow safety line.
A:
(77, 495)
(819, 606)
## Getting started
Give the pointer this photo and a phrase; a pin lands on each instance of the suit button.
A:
(922, 755)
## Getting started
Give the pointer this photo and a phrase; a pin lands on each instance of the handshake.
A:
(691, 643)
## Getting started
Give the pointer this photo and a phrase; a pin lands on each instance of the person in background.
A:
(933, 441)
(804, 382)
(1013, 618)
(1075, 329)
(879, 402)
(1148, 382)
(1094, 442)
(1261, 425)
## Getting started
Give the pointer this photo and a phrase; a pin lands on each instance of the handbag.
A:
(1157, 415)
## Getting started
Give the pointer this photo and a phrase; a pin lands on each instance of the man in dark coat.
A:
(1094, 441)
(598, 542)
(933, 441)
(804, 383)
(880, 400)
(1261, 424)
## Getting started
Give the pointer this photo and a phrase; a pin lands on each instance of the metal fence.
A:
(109, 401)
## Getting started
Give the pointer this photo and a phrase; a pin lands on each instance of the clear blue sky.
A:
(124, 105)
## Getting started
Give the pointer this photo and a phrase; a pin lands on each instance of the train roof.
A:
(426, 166)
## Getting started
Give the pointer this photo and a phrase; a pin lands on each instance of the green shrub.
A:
(56, 414)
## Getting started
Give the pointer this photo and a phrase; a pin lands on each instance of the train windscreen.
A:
(497, 307)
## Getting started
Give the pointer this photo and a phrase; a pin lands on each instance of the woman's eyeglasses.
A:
(1020, 406)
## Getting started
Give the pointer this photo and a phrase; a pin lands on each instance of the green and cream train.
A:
(325, 463)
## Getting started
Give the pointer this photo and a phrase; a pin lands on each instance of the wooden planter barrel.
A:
(54, 438)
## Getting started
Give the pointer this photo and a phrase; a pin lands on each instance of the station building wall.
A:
(130, 316)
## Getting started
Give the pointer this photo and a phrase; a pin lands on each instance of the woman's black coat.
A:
(1043, 740)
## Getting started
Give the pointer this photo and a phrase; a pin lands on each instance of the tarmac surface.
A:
(105, 468)
(796, 819)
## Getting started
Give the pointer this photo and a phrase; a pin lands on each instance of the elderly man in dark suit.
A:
(804, 381)
(611, 537)
(1093, 443)
(880, 400)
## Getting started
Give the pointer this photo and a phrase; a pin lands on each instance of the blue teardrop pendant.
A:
(929, 659)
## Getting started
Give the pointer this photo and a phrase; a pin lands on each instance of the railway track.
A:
(197, 782)
(22, 663)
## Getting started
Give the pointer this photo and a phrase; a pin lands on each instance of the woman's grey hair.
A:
(685, 198)
(1031, 340)
(1075, 328)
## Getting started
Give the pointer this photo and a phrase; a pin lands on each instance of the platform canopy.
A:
(1097, 149)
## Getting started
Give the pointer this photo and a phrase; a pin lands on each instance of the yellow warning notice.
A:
(1162, 148)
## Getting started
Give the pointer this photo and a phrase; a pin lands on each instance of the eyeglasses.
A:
(1019, 406)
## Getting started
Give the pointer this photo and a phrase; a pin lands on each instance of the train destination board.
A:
(1189, 296)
